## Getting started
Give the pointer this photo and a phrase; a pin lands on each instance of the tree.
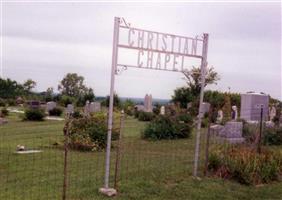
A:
(183, 95)
(29, 84)
(72, 85)
(87, 95)
(193, 78)
(49, 94)
(10, 88)
(191, 92)
(117, 102)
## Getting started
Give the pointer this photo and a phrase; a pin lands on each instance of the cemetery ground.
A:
(149, 170)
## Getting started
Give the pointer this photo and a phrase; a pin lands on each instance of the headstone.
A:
(189, 105)
(219, 116)
(34, 104)
(205, 107)
(69, 109)
(148, 103)
(139, 107)
(95, 107)
(50, 105)
(272, 113)
(162, 110)
(87, 108)
(232, 132)
(234, 113)
(251, 106)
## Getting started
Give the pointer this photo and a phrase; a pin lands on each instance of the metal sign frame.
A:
(120, 23)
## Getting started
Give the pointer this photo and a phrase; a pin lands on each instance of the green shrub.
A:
(245, 165)
(165, 127)
(11, 102)
(55, 111)
(136, 114)
(4, 112)
(272, 136)
(90, 133)
(76, 114)
(145, 116)
(2, 102)
(34, 114)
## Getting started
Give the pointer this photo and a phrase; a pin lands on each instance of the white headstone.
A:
(272, 113)
(70, 109)
(87, 108)
(162, 110)
(219, 116)
(205, 107)
(50, 105)
(95, 107)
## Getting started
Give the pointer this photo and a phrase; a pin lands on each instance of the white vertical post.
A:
(111, 103)
(203, 72)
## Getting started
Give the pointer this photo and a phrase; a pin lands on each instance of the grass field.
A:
(149, 170)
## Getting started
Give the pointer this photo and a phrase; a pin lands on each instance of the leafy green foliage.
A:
(90, 133)
(65, 100)
(245, 165)
(10, 89)
(128, 107)
(117, 102)
(2, 102)
(145, 116)
(55, 111)
(166, 127)
(272, 136)
(73, 87)
(183, 95)
(31, 114)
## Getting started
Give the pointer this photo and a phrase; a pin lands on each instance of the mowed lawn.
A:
(149, 170)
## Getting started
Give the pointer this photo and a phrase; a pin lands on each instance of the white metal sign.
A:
(155, 51)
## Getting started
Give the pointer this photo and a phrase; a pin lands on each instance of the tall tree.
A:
(193, 78)
(29, 84)
(10, 88)
(72, 85)
(191, 92)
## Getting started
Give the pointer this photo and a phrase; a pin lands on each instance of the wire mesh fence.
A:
(49, 174)
(42, 170)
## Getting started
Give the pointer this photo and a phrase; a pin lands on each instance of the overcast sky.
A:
(44, 41)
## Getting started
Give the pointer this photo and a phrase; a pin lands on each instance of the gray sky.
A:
(44, 41)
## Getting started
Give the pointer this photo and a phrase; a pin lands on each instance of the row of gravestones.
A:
(88, 108)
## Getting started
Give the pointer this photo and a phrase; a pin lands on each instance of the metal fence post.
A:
(260, 130)
(106, 190)
(119, 150)
(66, 144)
(203, 73)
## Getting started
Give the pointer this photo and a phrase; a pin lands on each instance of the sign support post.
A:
(200, 116)
(163, 51)
(106, 190)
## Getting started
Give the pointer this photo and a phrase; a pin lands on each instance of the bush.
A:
(4, 112)
(32, 114)
(272, 136)
(145, 116)
(2, 102)
(11, 102)
(245, 165)
(90, 133)
(165, 127)
(55, 112)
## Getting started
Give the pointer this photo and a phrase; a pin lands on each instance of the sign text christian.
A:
(162, 51)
